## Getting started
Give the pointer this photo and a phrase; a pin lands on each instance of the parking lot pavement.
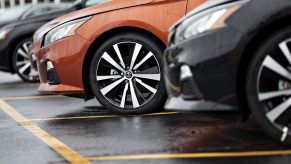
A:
(57, 129)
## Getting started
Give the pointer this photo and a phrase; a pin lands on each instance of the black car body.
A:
(23, 28)
(206, 68)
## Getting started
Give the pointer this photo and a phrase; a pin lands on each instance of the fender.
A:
(109, 6)
(119, 24)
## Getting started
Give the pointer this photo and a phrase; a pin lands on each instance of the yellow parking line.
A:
(71, 118)
(100, 116)
(161, 113)
(62, 149)
(31, 97)
(192, 155)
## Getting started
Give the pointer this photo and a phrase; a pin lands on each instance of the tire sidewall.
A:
(159, 98)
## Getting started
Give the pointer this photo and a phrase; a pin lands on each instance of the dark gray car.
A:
(18, 25)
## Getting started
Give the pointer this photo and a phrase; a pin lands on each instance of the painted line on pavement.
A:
(71, 118)
(192, 155)
(99, 116)
(62, 149)
(31, 97)
(160, 113)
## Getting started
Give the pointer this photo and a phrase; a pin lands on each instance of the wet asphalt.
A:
(98, 136)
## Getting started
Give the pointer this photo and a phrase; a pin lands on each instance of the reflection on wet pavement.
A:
(94, 132)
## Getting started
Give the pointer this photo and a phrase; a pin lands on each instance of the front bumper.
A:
(5, 64)
(66, 57)
(212, 59)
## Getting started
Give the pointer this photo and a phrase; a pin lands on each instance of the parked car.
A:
(111, 51)
(18, 25)
(12, 14)
(234, 55)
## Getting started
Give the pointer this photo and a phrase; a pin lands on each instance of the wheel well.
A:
(13, 45)
(98, 41)
(247, 55)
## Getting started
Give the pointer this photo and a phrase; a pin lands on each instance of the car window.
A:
(37, 12)
(42, 10)
(13, 13)
(95, 2)
(54, 8)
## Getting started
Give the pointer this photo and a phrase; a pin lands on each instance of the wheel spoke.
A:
(270, 63)
(24, 68)
(279, 110)
(21, 63)
(25, 47)
(108, 88)
(156, 77)
(135, 102)
(274, 94)
(22, 53)
(119, 55)
(139, 95)
(153, 90)
(284, 48)
(152, 70)
(150, 54)
(99, 78)
(137, 49)
(106, 57)
(122, 104)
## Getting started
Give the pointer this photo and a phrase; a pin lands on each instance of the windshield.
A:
(12, 13)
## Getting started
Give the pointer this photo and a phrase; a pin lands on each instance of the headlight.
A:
(4, 32)
(64, 30)
(41, 31)
(207, 20)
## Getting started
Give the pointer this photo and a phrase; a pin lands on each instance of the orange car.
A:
(111, 51)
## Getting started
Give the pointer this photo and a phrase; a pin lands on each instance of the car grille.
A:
(52, 77)
(190, 90)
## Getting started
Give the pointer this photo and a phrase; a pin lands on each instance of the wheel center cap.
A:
(128, 74)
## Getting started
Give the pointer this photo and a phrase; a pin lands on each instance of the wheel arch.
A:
(98, 41)
(248, 51)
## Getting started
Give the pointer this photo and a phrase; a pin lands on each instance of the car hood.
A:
(105, 7)
(204, 6)
(2, 24)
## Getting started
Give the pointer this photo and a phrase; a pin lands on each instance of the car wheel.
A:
(126, 75)
(20, 61)
(268, 85)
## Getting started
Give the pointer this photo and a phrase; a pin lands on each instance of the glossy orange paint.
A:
(68, 54)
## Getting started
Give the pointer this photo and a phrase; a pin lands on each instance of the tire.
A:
(133, 91)
(20, 61)
(268, 85)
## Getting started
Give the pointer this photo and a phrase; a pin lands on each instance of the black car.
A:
(234, 54)
(18, 25)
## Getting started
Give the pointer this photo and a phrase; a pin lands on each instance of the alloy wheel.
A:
(22, 61)
(274, 87)
(128, 74)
